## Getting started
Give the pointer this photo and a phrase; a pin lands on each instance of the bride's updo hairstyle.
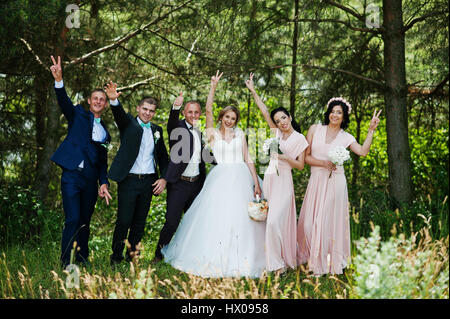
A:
(294, 124)
(346, 108)
(229, 108)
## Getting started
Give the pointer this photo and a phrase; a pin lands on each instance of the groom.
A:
(135, 169)
(186, 171)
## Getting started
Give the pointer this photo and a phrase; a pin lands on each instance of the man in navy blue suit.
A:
(83, 158)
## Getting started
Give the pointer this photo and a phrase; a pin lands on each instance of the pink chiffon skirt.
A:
(281, 235)
(323, 232)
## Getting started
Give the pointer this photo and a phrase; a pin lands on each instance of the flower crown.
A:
(340, 99)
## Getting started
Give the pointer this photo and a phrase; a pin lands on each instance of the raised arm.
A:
(209, 102)
(262, 107)
(119, 114)
(64, 102)
(174, 114)
(363, 150)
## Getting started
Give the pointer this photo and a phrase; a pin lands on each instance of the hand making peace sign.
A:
(56, 69)
(249, 83)
(215, 79)
(375, 120)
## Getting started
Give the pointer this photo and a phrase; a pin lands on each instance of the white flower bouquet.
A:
(338, 155)
(258, 209)
(271, 146)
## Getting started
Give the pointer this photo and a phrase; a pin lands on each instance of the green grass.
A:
(40, 266)
(32, 270)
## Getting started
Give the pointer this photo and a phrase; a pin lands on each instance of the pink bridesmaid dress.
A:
(281, 237)
(323, 227)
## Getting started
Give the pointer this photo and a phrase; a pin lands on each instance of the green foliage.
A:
(400, 268)
(430, 154)
(181, 52)
(24, 218)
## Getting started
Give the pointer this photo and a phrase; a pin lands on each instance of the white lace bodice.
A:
(231, 152)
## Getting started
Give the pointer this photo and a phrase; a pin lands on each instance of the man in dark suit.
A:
(186, 172)
(83, 158)
(135, 169)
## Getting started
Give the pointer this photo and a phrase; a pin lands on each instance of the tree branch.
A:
(422, 18)
(428, 92)
(28, 46)
(347, 24)
(356, 15)
(348, 10)
(147, 61)
(376, 82)
(124, 38)
(137, 84)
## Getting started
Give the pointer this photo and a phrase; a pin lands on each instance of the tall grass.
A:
(395, 259)
(399, 268)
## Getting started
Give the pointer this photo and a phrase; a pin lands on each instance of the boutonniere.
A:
(108, 146)
(157, 136)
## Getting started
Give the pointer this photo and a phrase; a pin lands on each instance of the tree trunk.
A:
(48, 137)
(400, 184)
(294, 62)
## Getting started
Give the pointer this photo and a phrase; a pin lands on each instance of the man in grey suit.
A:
(135, 169)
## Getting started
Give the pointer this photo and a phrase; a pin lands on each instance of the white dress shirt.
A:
(144, 161)
(98, 132)
(192, 168)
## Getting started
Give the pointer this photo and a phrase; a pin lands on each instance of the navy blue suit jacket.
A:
(78, 144)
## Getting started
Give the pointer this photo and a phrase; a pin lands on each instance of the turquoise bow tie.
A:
(145, 125)
(97, 119)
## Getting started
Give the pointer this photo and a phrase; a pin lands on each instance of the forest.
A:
(389, 55)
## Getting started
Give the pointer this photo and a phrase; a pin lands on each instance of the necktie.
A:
(97, 119)
(146, 125)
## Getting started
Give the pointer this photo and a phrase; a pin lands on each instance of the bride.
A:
(216, 237)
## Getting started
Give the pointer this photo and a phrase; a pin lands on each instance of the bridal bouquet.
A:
(206, 143)
(272, 145)
(338, 155)
(257, 210)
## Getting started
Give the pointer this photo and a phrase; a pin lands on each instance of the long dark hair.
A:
(346, 119)
(295, 125)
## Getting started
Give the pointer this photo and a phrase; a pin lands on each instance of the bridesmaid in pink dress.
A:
(324, 228)
(278, 188)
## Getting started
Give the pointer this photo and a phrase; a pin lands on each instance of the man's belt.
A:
(189, 179)
(140, 176)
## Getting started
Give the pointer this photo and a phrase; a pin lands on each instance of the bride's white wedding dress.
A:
(216, 237)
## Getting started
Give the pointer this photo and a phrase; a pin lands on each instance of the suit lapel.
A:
(91, 123)
(108, 137)
(140, 129)
(155, 151)
(191, 138)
